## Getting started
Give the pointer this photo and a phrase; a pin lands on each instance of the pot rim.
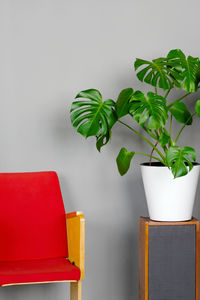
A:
(159, 165)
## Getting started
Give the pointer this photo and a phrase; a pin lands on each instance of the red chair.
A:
(36, 246)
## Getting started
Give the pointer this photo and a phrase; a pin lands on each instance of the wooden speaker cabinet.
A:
(169, 260)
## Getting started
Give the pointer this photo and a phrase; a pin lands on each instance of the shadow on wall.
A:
(196, 211)
(37, 291)
(111, 264)
(112, 251)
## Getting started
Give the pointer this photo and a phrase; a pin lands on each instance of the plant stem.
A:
(153, 136)
(144, 138)
(179, 133)
(171, 104)
(154, 157)
(151, 154)
(170, 128)
(167, 93)
(156, 91)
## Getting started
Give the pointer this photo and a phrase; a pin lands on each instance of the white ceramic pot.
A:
(169, 199)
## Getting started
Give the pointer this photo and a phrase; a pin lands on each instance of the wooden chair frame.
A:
(75, 223)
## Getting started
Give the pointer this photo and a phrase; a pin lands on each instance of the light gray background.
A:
(50, 50)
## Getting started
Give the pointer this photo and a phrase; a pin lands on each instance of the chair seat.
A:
(36, 271)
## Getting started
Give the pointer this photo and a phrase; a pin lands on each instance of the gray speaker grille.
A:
(172, 253)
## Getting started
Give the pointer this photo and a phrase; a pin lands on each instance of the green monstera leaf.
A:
(181, 113)
(102, 140)
(175, 70)
(197, 107)
(158, 73)
(93, 117)
(150, 110)
(123, 160)
(164, 139)
(188, 66)
(122, 104)
(178, 159)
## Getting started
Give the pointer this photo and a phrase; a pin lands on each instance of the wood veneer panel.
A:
(150, 222)
(143, 259)
(197, 260)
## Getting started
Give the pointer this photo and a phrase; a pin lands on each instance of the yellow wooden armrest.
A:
(75, 223)
(74, 214)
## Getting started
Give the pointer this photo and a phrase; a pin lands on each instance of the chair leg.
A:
(75, 290)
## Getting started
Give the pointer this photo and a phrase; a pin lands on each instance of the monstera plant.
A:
(154, 111)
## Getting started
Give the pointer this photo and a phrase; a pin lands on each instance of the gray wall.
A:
(50, 50)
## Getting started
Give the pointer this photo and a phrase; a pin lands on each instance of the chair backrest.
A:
(32, 217)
